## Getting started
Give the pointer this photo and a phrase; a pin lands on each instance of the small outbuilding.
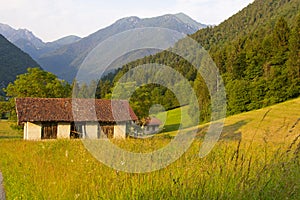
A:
(52, 118)
(152, 125)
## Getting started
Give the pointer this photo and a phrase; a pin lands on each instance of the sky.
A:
(54, 19)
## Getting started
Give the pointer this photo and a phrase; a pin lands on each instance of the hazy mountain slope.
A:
(62, 41)
(13, 62)
(29, 43)
(187, 20)
(65, 61)
(14, 35)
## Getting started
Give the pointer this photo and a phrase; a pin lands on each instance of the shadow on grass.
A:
(230, 132)
(10, 137)
(170, 128)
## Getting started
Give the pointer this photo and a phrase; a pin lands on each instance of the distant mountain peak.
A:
(25, 30)
(131, 19)
(15, 36)
(69, 52)
(188, 20)
(66, 40)
(5, 26)
(65, 61)
(181, 14)
(29, 43)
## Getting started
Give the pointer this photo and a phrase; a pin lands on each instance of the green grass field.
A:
(257, 157)
(172, 118)
(8, 132)
(272, 123)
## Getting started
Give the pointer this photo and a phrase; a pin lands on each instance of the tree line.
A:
(259, 69)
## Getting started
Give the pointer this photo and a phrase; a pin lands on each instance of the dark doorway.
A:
(108, 130)
(49, 130)
(77, 130)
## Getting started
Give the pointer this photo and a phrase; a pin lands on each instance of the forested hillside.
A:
(256, 51)
(258, 18)
(13, 62)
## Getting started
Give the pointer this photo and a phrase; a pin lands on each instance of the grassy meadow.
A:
(9, 130)
(257, 157)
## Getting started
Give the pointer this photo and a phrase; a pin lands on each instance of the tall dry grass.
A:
(65, 170)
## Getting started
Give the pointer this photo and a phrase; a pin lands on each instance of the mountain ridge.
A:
(256, 52)
(67, 59)
(31, 44)
(13, 62)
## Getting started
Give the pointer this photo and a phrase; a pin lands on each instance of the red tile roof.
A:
(69, 110)
(153, 122)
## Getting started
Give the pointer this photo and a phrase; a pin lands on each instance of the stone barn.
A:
(58, 118)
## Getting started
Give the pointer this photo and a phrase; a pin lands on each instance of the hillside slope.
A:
(31, 44)
(13, 62)
(259, 16)
(256, 51)
(278, 123)
(65, 61)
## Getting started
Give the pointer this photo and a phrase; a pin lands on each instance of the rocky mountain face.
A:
(29, 43)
